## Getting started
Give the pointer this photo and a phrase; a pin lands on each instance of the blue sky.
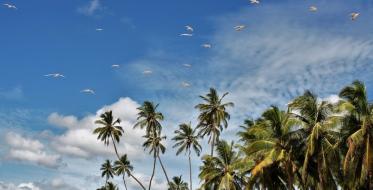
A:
(46, 123)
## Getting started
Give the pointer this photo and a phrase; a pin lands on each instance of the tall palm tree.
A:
(123, 167)
(154, 144)
(322, 140)
(149, 118)
(222, 171)
(107, 171)
(271, 141)
(186, 140)
(358, 130)
(110, 129)
(178, 184)
(213, 116)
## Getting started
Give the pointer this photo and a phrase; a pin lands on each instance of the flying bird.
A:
(239, 27)
(187, 65)
(254, 1)
(185, 84)
(115, 66)
(10, 6)
(147, 72)
(206, 46)
(189, 28)
(55, 75)
(313, 8)
(99, 29)
(354, 15)
(88, 91)
(186, 35)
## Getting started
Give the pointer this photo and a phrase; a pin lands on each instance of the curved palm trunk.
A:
(164, 171)
(151, 179)
(213, 144)
(115, 147)
(190, 171)
(124, 182)
(137, 181)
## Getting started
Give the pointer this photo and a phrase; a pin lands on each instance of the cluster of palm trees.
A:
(311, 144)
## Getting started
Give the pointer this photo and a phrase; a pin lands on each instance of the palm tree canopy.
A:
(186, 139)
(107, 170)
(154, 143)
(111, 186)
(123, 166)
(110, 128)
(178, 184)
(149, 118)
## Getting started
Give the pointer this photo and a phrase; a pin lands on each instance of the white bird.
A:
(313, 8)
(55, 75)
(185, 84)
(115, 66)
(186, 35)
(254, 1)
(10, 6)
(88, 91)
(354, 15)
(189, 28)
(206, 46)
(147, 72)
(187, 65)
(239, 27)
(99, 29)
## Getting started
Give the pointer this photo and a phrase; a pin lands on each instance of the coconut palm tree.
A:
(123, 167)
(222, 171)
(107, 171)
(322, 140)
(154, 144)
(186, 140)
(149, 118)
(213, 116)
(358, 130)
(110, 129)
(111, 186)
(178, 184)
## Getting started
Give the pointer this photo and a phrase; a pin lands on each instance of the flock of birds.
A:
(188, 33)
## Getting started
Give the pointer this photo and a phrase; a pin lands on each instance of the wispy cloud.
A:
(91, 8)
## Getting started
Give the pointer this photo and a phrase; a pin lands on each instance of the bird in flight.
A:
(10, 6)
(147, 72)
(354, 15)
(189, 28)
(313, 8)
(88, 91)
(187, 65)
(186, 35)
(254, 1)
(185, 84)
(55, 75)
(239, 27)
(99, 29)
(115, 66)
(206, 46)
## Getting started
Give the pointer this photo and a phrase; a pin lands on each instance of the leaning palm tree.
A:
(322, 144)
(107, 171)
(110, 129)
(149, 118)
(154, 144)
(358, 130)
(222, 171)
(123, 167)
(186, 140)
(178, 184)
(213, 116)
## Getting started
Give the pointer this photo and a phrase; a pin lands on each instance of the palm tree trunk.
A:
(138, 181)
(115, 147)
(151, 179)
(164, 171)
(124, 181)
(190, 171)
(213, 144)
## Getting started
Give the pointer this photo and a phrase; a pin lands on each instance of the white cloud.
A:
(55, 184)
(15, 93)
(91, 8)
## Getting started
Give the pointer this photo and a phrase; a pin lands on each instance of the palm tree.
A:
(213, 116)
(123, 167)
(110, 129)
(154, 144)
(186, 140)
(111, 186)
(322, 140)
(107, 171)
(149, 118)
(222, 171)
(357, 128)
(271, 141)
(178, 184)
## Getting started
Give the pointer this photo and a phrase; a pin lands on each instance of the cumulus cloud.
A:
(55, 184)
(30, 150)
(91, 8)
